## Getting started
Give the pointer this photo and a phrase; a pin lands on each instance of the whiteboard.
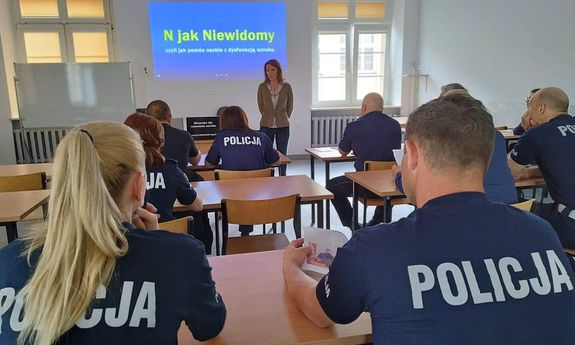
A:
(67, 94)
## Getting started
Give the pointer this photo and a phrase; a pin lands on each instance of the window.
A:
(64, 31)
(350, 45)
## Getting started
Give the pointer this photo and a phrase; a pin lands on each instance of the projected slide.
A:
(216, 40)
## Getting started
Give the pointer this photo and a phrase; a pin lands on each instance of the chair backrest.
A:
(525, 205)
(236, 174)
(253, 212)
(181, 225)
(500, 128)
(36, 181)
(377, 165)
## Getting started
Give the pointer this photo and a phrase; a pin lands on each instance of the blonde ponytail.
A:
(84, 235)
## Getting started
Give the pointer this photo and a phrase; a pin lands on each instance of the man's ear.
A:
(169, 118)
(412, 153)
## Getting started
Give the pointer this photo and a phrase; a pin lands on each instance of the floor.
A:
(298, 167)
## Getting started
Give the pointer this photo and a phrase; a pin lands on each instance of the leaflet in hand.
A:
(324, 244)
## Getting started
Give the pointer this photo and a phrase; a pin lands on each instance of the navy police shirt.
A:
(242, 150)
(178, 145)
(371, 137)
(163, 279)
(459, 270)
(166, 183)
(498, 182)
(552, 146)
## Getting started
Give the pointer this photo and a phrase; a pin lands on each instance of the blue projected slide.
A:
(216, 40)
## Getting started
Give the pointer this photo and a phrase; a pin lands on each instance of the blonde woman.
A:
(96, 276)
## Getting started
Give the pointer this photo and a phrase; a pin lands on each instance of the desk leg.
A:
(387, 210)
(320, 214)
(312, 171)
(217, 233)
(354, 207)
(327, 202)
(11, 231)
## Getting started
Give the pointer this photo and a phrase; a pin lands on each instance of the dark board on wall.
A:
(67, 94)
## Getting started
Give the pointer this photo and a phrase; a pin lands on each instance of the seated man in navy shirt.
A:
(498, 183)
(372, 137)
(525, 123)
(550, 143)
(459, 269)
(179, 144)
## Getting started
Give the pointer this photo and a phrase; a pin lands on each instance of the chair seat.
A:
(256, 243)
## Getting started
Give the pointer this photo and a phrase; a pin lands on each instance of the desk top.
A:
(24, 169)
(212, 192)
(382, 183)
(260, 311)
(329, 154)
(17, 205)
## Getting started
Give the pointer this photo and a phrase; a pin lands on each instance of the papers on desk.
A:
(398, 155)
(507, 132)
(324, 245)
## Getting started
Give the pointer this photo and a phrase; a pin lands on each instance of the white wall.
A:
(498, 49)
(6, 49)
(191, 98)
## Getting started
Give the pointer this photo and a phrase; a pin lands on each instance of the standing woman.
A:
(96, 274)
(275, 101)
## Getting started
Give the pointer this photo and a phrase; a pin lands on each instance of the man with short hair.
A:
(372, 137)
(459, 269)
(550, 143)
(179, 144)
(525, 123)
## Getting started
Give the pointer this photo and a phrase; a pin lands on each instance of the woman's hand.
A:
(146, 217)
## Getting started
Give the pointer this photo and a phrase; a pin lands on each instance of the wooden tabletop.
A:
(24, 169)
(261, 313)
(17, 205)
(401, 119)
(382, 183)
(212, 192)
(329, 154)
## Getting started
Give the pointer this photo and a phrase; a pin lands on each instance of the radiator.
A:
(37, 145)
(327, 130)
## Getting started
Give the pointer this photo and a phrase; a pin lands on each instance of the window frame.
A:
(65, 26)
(352, 27)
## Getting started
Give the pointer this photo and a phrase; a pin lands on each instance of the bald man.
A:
(371, 137)
(550, 143)
(460, 269)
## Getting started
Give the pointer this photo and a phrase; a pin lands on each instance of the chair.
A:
(36, 181)
(182, 225)
(525, 205)
(380, 165)
(19, 183)
(501, 128)
(237, 174)
(253, 212)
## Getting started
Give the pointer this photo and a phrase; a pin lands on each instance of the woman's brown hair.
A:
(234, 117)
(275, 64)
(152, 133)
